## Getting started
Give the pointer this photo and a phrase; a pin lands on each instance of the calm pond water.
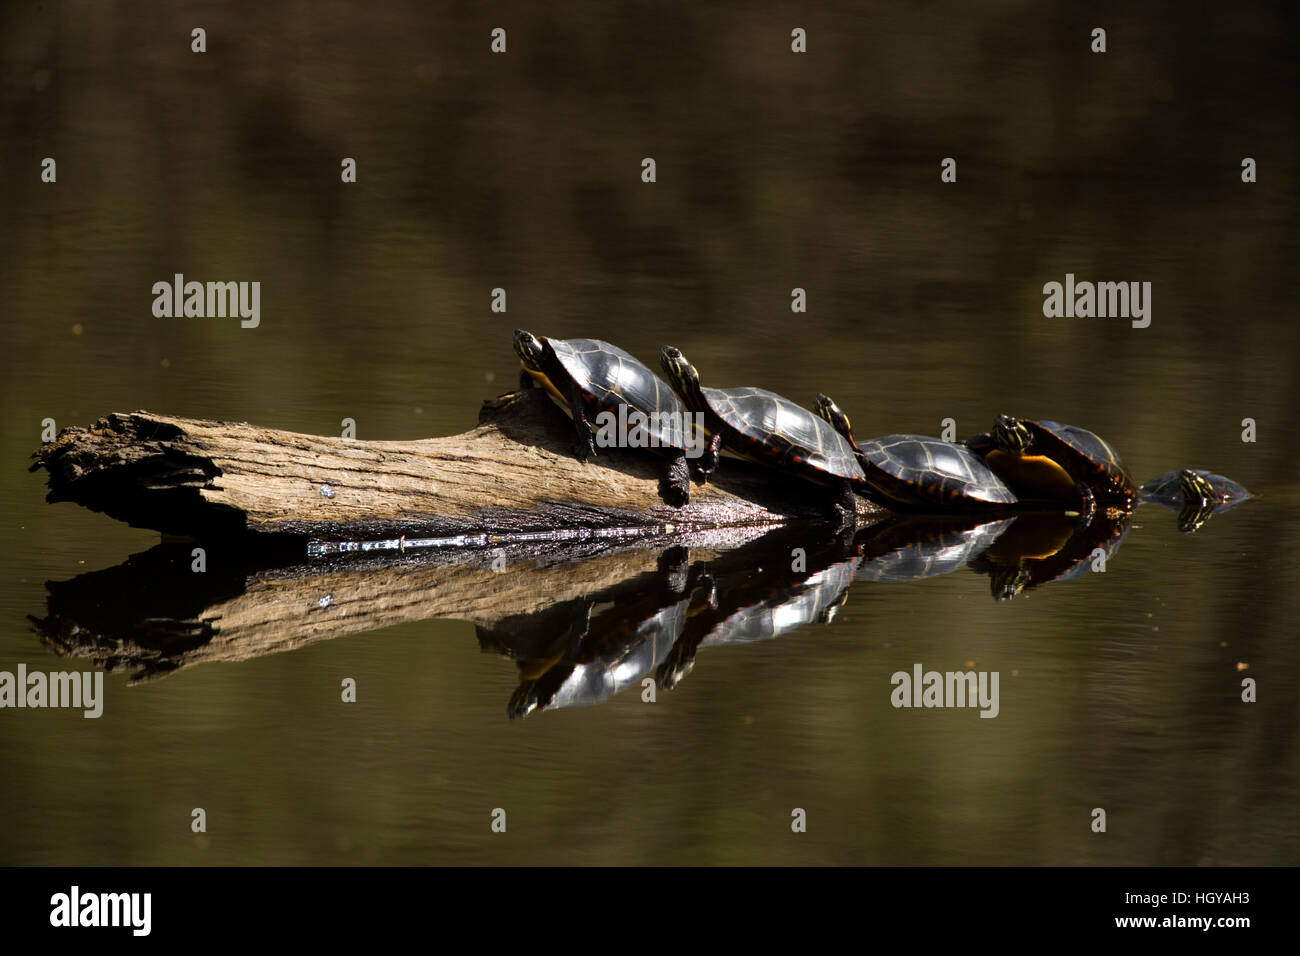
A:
(819, 171)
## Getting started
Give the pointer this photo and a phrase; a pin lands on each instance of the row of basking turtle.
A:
(1019, 465)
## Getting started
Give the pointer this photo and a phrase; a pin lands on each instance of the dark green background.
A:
(774, 171)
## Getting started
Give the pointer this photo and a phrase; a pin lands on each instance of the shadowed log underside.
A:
(514, 473)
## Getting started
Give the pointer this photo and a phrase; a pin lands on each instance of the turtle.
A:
(616, 638)
(768, 428)
(1195, 493)
(1050, 463)
(588, 377)
(919, 473)
(759, 598)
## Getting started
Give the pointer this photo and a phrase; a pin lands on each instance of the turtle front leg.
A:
(707, 463)
(584, 445)
(844, 506)
(675, 486)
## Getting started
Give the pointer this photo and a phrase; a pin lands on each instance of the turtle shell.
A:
(1086, 456)
(918, 470)
(770, 428)
(608, 377)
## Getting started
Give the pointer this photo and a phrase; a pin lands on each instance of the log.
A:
(513, 475)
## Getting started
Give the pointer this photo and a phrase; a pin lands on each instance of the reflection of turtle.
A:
(537, 672)
(623, 641)
(759, 596)
(765, 427)
(912, 549)
(1043, 547)
(1195, 494)
(915, 472)
(1054, 463)
(588, 376)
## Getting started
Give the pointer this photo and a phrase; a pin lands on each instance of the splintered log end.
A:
(514, 473)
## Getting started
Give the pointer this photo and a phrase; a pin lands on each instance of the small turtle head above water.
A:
(1196, 488)
(1011, 435)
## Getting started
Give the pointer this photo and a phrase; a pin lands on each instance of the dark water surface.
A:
(1118, 690)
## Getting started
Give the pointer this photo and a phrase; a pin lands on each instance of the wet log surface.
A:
(514, 473)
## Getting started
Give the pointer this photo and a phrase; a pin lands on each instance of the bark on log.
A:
(514, 473)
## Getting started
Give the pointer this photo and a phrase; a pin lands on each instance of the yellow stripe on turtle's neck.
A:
(542, 379)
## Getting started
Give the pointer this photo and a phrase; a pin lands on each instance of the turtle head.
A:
(681, 373)
(835, 417)
(1196, 488)
(523, 701)
(1011, 435)
(1007, 583)
(530, 349)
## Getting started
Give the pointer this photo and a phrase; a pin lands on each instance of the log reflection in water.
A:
(582, 621)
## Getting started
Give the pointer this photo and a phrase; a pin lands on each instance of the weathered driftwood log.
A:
(513, 473)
